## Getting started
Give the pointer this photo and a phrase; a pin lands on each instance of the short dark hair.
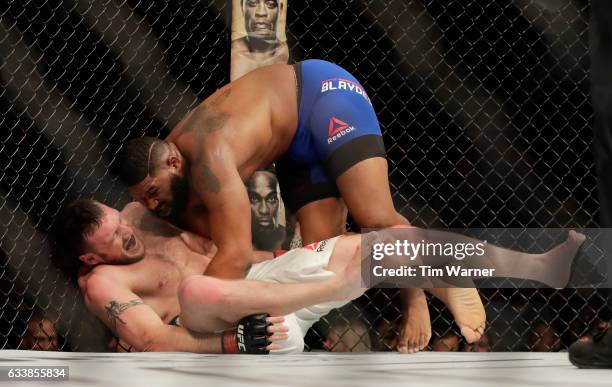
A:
(272, 178)
(75, 222)
(139, 158)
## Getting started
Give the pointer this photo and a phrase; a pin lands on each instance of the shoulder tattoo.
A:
(221, 97)
(209, 118)
(114, 309)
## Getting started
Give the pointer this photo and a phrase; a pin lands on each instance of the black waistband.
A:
(297, 70)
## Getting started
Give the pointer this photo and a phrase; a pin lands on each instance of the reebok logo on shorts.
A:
(317, 246)
(337, 128)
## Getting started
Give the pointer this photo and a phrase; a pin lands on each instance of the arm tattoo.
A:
(209, 118)
(114, 309)
(211, 182)
(221, 97)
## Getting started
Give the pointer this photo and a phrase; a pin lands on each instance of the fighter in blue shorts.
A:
(314, 120)
(337, 128)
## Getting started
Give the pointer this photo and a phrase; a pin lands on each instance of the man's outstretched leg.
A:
(551, 268)
(210, 304)
(465, 304)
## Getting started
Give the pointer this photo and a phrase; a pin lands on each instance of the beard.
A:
(126, 260)
(179, 186)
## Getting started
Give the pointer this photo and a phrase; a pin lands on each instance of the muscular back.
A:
(255, 117)
(242, 127)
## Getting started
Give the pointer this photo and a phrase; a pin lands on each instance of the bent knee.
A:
(201, 291)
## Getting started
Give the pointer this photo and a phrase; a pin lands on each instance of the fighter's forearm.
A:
(229, 265)
(177, 339)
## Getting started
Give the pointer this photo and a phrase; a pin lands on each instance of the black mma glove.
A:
(250, 336)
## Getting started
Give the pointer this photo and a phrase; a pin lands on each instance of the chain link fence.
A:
(484, 107)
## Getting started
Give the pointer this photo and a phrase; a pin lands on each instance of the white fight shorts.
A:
(305, 264)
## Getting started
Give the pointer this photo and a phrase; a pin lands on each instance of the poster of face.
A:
(258, 35)
(267, 216)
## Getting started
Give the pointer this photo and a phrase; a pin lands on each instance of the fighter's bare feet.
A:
(467, 309)
(416, 326)
(555, 265)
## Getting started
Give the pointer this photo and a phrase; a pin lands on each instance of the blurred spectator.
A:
(40, 335)
(596, 328)
(584, 323)
(482, 345)
(348, 336)
(447, 343)
(268, 234)
(543, 338)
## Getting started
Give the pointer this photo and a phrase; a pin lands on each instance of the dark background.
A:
(485, 109)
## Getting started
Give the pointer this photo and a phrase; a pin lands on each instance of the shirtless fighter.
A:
(316, 122)
(129, 266)
(138, 272)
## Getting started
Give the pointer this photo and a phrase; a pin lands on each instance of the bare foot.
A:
(555, 265)
(416, 325)
(467, 309)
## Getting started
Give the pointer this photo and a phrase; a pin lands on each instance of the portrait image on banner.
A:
(258, 35)
(268, 223)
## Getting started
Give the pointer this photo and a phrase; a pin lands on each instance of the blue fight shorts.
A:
(337, 128)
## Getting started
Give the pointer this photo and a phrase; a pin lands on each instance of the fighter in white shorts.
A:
(304, 265)
(138, 272)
